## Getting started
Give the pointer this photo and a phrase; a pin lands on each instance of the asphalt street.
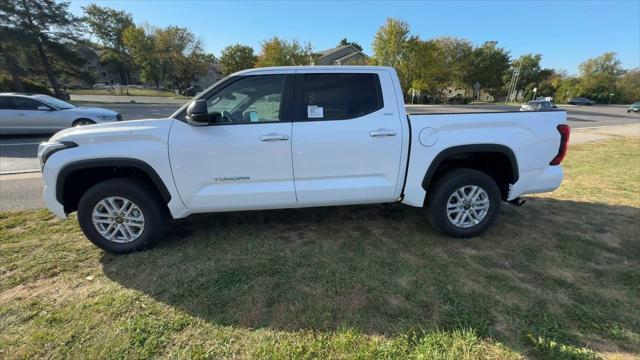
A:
(22, 189)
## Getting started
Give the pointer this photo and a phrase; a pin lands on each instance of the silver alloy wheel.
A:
(468, 206)
(118, 219)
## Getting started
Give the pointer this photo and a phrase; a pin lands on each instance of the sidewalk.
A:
(583, 135)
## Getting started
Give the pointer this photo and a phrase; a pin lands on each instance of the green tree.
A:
(46, 30)
(390, 43)
(489, 64)
(109, 25)
(180, 55)
(531, 73)
(598, 76)
(456, 55)
(629, 86)
(237, 57)
(344, 42)
(280, 52)
(141, 44)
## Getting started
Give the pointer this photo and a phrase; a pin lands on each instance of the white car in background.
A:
(43, 114)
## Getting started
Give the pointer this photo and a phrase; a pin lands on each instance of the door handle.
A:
(274, 137)
(20, 114)
(382, 132)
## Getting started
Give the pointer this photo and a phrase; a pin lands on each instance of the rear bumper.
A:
(537, 181)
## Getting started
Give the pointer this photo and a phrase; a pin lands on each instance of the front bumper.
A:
(50, 200)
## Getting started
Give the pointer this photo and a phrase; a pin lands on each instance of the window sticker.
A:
(315, 112)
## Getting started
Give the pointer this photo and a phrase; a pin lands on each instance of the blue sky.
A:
(565, 33)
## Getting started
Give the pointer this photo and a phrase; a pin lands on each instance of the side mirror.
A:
(44, 108)
(197, 113)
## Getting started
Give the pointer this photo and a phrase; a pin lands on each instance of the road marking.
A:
(599, 127)
(20, 144)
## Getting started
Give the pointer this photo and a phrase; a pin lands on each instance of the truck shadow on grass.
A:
(552, 271)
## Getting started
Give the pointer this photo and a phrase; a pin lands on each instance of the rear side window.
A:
(4, 103)
(334, 96)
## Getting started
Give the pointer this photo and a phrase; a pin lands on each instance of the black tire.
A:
(445, 186)
(82, 122)
(142, 195)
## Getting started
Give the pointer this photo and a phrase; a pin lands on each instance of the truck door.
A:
(347, 138)
(242, 162)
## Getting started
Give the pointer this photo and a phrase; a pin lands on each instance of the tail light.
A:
(564, 131)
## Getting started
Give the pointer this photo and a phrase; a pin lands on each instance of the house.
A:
(341, 55)
(210, 77)
(105, 73)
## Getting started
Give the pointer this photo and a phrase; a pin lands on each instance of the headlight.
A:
(46, 149)
(108, 117)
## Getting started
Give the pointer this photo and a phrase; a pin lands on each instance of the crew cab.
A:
(293, 137)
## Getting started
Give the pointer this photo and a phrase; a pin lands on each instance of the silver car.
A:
(43, 114)
(538, 105)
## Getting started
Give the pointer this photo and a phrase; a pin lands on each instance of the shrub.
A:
(6, 85)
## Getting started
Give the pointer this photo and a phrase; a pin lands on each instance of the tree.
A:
(390, 43)
(48, 29)
(109, 25)
(344, 42)
(598, 76)
(237, 57)
(531, 73)
(180, 55)
(489, 63)
(456, 55)
(141, 43)
(629, 86)
(280, 52)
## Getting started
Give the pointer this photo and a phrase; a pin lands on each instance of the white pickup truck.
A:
(292, 137)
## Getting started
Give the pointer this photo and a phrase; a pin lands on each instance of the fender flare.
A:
(69, 168)
(475, 148)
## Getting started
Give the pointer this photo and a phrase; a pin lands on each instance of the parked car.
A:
(581, 101)
(538, 105)
(635, 107)
(192, 91)
(293, 137)
(43, 114)
(100, 86)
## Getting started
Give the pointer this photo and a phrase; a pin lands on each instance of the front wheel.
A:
(83, 122)
(463, 203)
(122, 215)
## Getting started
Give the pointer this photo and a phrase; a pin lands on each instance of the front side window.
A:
(336, 96)
(56, 103)
(252, 99)
(4, 103)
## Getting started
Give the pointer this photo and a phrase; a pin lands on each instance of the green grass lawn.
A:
(557, 278)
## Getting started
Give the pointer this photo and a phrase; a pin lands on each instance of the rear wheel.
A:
(122, 215)
(463, 203)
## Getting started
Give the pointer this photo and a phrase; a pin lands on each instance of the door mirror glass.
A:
(197, 113)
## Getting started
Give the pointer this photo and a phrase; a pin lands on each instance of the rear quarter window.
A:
(340, 96)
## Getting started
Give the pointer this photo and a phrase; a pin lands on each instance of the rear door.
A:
(244, 161)
(347, 138)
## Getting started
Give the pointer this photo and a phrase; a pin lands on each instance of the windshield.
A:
(56, 103)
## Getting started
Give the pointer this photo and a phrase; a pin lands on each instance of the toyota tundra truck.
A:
(294, 137)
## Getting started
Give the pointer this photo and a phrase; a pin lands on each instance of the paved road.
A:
(19, 153)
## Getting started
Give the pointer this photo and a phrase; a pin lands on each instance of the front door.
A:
(243, 161)
(347, 139)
